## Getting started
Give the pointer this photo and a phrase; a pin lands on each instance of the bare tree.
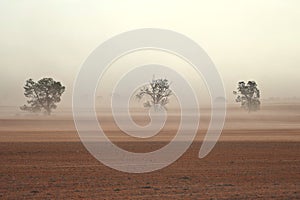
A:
(43, 95)
(248, 95)
(158, 90)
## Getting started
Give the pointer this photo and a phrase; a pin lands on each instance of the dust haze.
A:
(247, 40)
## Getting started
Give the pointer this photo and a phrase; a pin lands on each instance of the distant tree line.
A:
(45, 94)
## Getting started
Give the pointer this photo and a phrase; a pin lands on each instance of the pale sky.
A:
(251, 39)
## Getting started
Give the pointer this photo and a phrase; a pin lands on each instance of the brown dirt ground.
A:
(257, 157)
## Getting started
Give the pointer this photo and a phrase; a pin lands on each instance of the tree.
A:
(248, 95)
(43, 95)
(158, 90)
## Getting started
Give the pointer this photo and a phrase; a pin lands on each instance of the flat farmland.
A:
(257, 157)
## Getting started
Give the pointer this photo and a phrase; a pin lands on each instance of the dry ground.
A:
(257, 157)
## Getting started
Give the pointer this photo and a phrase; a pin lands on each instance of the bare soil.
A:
(257, 157)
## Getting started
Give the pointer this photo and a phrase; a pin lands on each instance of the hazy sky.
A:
(250, 39)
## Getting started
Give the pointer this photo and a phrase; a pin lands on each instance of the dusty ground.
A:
(257, 157)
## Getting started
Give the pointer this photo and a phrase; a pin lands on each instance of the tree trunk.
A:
(48, 111)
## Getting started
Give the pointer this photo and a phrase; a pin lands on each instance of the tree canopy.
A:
(248, 95)
(158, 90)
(42, 95)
